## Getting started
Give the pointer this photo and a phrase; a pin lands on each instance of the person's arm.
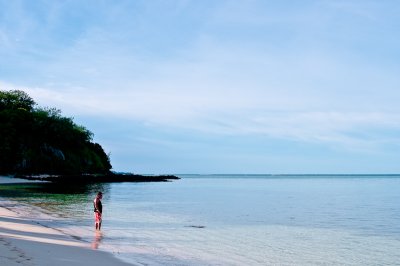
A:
(96, 205)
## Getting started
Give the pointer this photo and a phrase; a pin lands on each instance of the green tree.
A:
(16, 99)
(41, 140)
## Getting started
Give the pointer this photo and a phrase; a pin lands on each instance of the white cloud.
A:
(235, 115)
(291, 83)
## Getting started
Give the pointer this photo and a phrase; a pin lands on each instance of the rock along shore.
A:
(100, 178)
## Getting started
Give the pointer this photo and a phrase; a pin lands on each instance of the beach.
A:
(26, 240)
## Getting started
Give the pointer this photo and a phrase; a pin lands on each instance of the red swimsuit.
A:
(97, 211)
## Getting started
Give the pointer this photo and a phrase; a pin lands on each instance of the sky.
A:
(215, 86)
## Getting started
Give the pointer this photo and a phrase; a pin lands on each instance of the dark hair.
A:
(99, 193)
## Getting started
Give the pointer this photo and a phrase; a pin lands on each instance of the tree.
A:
(41, 140)
(16, 99)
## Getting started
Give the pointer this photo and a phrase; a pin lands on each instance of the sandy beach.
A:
(26, 241)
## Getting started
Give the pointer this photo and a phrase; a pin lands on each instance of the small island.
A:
(38, 143)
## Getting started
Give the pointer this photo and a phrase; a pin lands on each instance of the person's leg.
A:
(96, 220)
(99, 220)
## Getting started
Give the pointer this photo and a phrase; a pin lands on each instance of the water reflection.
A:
(71, 189)
(98, 237)
(46, 189)
(63, 200)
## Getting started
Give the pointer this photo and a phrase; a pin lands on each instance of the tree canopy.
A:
(37, 140)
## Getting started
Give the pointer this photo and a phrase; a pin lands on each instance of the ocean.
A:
(229, 219)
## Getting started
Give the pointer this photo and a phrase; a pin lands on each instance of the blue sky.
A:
(216, 86)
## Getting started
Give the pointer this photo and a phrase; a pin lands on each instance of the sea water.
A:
(231, 219)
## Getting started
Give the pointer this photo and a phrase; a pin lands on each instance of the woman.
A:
(98, 210)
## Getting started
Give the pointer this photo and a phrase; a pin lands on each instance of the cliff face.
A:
(35, 140)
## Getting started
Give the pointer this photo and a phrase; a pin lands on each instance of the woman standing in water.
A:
(98, 210)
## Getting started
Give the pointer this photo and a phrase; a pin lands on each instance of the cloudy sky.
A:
(220, 86)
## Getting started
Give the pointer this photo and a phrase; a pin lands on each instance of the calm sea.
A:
(231, 219)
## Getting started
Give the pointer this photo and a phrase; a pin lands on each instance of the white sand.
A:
(23, 241)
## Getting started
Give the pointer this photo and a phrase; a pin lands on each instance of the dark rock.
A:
(100, 178)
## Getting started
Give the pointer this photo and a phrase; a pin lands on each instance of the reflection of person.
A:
(97, 240)
(98, 210)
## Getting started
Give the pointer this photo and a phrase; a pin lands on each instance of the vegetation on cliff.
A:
(37, 140)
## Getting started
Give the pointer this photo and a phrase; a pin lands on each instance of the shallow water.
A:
(233, 220)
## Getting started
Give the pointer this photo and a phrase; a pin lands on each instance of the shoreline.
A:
(27, 240)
